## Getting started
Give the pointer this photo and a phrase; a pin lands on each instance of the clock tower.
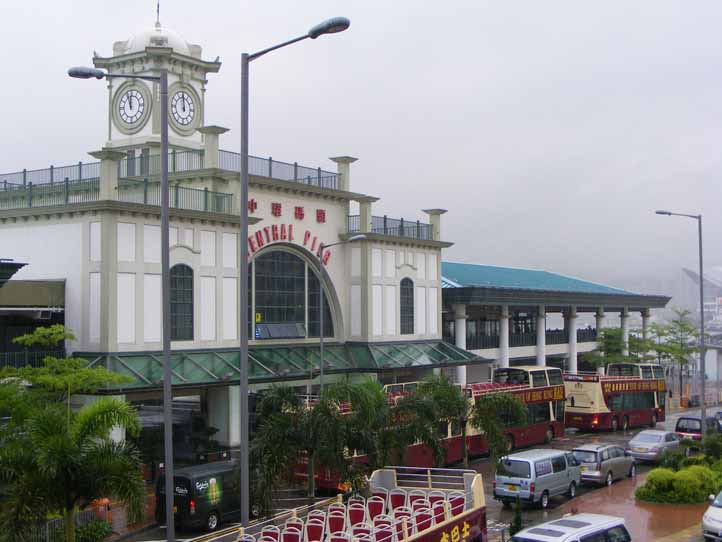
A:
(133, 105)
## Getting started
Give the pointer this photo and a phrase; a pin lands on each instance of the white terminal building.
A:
(89, 238)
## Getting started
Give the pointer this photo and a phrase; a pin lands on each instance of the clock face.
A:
(131, 106)
(183, 108)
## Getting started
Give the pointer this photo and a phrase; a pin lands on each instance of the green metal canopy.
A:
(277, 363)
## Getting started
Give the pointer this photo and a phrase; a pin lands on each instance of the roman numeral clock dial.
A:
(131, 107)
(183, 108)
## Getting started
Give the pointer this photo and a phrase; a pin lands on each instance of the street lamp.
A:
(162, 79)
(702, 353)
(330, 26)
(322, 274)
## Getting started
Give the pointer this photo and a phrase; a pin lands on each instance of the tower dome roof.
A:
(154, 37)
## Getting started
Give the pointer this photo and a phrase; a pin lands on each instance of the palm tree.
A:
(62, 460)
(291, 428)
(451, 406)
(492, 413)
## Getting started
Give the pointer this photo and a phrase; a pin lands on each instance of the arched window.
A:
(284, 295)
(181, 303)
(406, 311)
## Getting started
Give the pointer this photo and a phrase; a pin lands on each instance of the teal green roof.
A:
(277, 363)
(464, 275)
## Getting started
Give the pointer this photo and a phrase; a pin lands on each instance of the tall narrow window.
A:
(181, 303)
(406, 311)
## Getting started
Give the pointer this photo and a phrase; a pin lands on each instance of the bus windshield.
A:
(516, 377)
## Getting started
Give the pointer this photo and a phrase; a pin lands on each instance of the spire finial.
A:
(157, 14)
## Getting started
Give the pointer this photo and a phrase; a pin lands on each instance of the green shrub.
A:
(672, 459)
(690, 485)
(95, 531)
(699, 459)
(712, 446)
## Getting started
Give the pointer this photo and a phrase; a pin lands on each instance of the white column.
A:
(504, 337)
(211, 135)
(460, 339)
(600, 319)
(624, 319)
(344, 171)
(223, 414)
(108, 184)
(571, 326)
(645, 324)
(541, 336)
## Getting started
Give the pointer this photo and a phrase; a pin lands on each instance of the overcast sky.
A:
(549, 130)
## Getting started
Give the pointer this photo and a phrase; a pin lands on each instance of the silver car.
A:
(604, 463)
(650, 444)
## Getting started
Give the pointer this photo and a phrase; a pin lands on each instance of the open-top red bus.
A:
(628, 395)
(404, 505)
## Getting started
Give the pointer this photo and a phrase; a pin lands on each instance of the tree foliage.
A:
(676, 342)
(451, 405)
(611, 348)
(61, 461)
(492, 413)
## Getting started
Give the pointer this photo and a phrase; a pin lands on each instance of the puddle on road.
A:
(646, 522)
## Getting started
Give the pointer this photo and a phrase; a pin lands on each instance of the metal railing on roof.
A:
(178, 161)
(46, 195)
(180, 197)
(393, 226)
(283, 171)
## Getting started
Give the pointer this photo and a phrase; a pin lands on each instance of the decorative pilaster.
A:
(435, 221)
(109, 160)
(343, 164)
(211, 136)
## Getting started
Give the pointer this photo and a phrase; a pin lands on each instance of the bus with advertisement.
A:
(628, 395)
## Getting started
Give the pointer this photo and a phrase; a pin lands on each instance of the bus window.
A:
(555, 377)
(538, 379)
(516, 377)
(661, 399)
(658, 371)
(622, 369)
(615, 402)
(647, 372)
(444, 429)
(559, 410)
(538, 412)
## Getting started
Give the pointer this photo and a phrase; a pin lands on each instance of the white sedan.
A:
(712, 519)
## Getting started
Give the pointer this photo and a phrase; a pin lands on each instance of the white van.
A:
(577, 528)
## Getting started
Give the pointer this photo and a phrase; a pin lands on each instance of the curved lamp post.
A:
(162, 79)
(330, 26)
(702, 352)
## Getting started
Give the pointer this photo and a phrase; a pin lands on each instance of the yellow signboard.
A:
(259, 318)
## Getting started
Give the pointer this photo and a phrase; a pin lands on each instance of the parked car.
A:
(712, 519)
(650, 444)
(534, 476)
(579, 527)
(691, 427)
(604, 463)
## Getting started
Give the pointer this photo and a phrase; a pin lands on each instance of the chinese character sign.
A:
(298, 213)
(276, 209)
(468, 527)
(321, 216)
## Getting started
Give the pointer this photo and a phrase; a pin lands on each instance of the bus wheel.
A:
(625, 424)
(653, 423)
(509, 443)
(544, 500)
(549, 436)
(212, 521)
(615, 424)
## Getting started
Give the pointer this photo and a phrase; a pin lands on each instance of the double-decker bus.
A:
(628, 395)
(540, 388)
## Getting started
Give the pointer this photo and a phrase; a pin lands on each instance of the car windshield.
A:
(584, 456)
(717, 502)
(514, 468)
(647, 437)
(689, 425)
